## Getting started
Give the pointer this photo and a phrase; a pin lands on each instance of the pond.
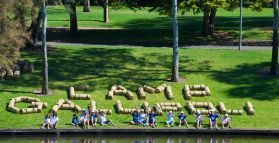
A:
(143, 139)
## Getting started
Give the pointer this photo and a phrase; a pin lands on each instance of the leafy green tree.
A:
(209, 9)
(12, 34)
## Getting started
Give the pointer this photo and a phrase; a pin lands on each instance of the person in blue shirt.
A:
(93, 118)
(182, 119)
(152, 120)
(213, 119)
(135, 116)
(75, 121)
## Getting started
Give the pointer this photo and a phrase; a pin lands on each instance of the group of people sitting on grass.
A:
(141, 118)
(138, 118)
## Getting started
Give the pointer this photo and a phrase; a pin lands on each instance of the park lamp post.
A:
(240, 26)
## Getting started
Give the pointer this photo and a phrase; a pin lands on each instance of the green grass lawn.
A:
(151, 28)
(234, 77)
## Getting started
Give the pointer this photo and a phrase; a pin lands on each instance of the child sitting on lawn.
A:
(199, 118)
(143, 118)
(75, 120)
(83, 118)
(226, 121)
(54, 120)
(103, 119)
(170, 120)
(47, 123)
(135, 116)
(182, 119)
(213, 119)
(152, 120)
(93, 118)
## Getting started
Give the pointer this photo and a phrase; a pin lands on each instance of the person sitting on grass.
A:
(83, 119)
(170, 120)
(75, 121)
(47, 122)
(135, 116)
(152, 120)
(54, 120)
(199, 118)
(182, 119)
(143, 118)
(213, 119)
(93, 118)
(226, 121)
(105, 121)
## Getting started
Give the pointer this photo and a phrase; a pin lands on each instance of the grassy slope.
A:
(145, 26)
(234, 78)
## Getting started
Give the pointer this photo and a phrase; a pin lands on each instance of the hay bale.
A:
(222, 108)
(237, 112)
(29, 110)
(141, 93)
(22, 111)
(148, 89)
(77, 108)
(65, 107)
(169, 93)
(13, 109)
(229, 112)
(83, 87)
(68, 102)
(204, 112)
(119, 92)
(160, 88)
(31, 99)
(207, 91)
(114, 87)
(186, 92)
(92, 106)
(18, 99)
(60, 102)
(130, 95)
(211, 106)
(10, 74)
(179, 106)
(158, 109)
(249, 108)
(83, 96)
(199, 104)
(197, 93)
(110, 95)
(71, 93)
(16, 74)
(191, 108)
(55, 108)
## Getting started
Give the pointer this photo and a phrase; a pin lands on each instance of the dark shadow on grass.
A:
(251, 81)
(158, 32)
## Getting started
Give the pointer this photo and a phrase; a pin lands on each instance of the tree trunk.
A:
(86, 6)
(274, 60)
(175, 68)
(106, 12)
(206, 20)
(34, 28)
(73, 18)
(45, 90)
(212, 21)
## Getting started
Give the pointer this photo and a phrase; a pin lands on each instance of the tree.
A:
(175, 66)
(70, 5)
(86, 5)
(274, 60)
(45, 90)
(105, 6)
(207, 7)
(12, 35)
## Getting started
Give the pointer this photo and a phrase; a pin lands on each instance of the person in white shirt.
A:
(143, 118)
(170, 120)
(47, 122)
(54, 120)
(226, 121)
(105, 121)
(83, 118)
(199, 118)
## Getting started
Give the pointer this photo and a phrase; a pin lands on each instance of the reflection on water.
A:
(143, 139)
